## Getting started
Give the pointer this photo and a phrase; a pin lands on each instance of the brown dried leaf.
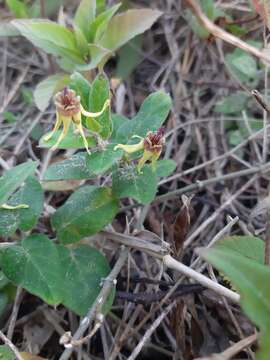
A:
(177, 321)
(61, 185)
(197, 337)
(181, 225)
(36, 333)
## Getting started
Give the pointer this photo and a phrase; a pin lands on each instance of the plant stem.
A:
(100, 300)
(42, 9)
(11, 346)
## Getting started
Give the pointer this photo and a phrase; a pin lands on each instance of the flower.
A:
(70, 110)
(152, 145)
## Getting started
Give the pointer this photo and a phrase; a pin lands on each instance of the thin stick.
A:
(100, 300)
(203, 280)
(218, 236)
(239, 346)
(257, 135)
(15, 311)
(149, 332)
(260, 100)
(233, 350)
(201, 184)
(267, 239)
(265, 113)
(224, 35)
(11, 346)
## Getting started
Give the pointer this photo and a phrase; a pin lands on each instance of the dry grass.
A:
(193, 71)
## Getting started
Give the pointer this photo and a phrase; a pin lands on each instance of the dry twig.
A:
(224, 35)
(10, 345)
(100, 300)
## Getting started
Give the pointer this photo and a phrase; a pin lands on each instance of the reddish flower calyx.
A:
(67, 102)
(154, 141)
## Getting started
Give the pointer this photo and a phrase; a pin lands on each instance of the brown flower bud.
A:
(67, 102)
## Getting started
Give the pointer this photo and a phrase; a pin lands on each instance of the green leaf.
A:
(47, 88)
(99, 93)
(9, 116)
(81, 42)
(6, 353)
(85, 14)
(195, 25)
(98, 55)
(235, 137)
(165, 167)
(56, 274)
(74, 168)
(7, 29)
(3, 305)
(232, 104)
(71, 141)
(84, 268)
(82, 166)
(50, 37)
(13, 178)
(18, 8)
(27, 96)
(127, 182)
(82, 87)
(100, 6)
(51, 7)
(240, 258)
(125, 26)
(208, 8)
(34, 265)
(129, 57)
(150, 117)
(117, 122)
(30, 194)
(242, 65)
(3, 280)
(85, 213)
(99, 25)
(25, 219)
(250, 247)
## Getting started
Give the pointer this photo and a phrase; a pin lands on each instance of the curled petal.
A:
(78, 123)
(66, 124)
(57, 125)
(96, 114)
(11, 207)
(147, 155)
(154, 159)
(130, 148)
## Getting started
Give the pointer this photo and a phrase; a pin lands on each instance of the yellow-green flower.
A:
(70, 110)
(152, 145)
